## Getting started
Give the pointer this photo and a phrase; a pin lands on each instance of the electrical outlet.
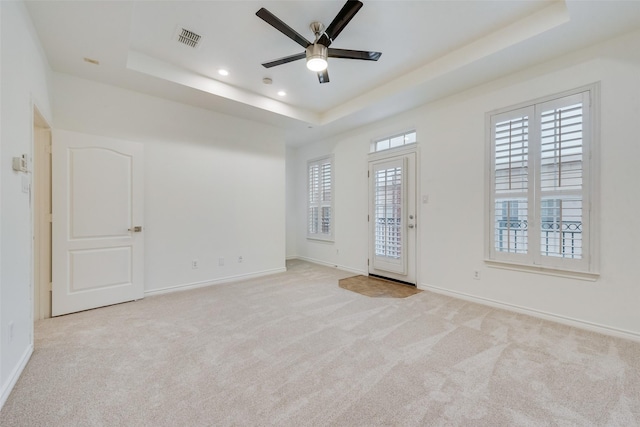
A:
(194, 264)
(476, 275)
(240, 258)
(220, 262)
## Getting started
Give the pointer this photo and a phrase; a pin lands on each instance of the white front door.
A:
(392, 216)
(97, 204)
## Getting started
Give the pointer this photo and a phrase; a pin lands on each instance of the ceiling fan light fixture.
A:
(317, 57)
(317, 52)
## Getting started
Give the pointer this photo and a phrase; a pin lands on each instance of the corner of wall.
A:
(12, 379)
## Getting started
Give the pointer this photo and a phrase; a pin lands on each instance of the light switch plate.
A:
(25, 184)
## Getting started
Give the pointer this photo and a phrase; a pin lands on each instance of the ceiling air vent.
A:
(188, 38)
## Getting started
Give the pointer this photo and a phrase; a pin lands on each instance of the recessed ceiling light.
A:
(282, 93)
(223, 72)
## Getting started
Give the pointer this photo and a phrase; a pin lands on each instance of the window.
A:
(540, 191)
(395, 141)
(387, 206)
(320, 199)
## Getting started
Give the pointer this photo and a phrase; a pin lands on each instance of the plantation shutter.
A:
(510, 178)
(320, 198)
(540, 195)
(561, 182)
(314, 197)
(325, 199)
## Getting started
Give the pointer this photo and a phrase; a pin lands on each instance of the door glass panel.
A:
(388, 212)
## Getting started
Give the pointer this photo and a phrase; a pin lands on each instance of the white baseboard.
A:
(222, 280)
(7, 387)
(581, 324)
(328, 264)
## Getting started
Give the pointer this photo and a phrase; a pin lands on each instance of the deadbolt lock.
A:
(136, 229)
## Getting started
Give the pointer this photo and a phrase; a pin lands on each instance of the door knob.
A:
(136, 229)
(411, 225)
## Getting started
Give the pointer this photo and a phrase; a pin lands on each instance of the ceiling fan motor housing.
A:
(317, 57)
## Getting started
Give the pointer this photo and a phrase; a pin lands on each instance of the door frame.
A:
(41, 216)
(387, 155)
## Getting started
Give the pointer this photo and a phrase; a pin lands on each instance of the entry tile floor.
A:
(377, 288)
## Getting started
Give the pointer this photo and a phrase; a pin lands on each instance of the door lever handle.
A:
(136, 229)
(411, 226)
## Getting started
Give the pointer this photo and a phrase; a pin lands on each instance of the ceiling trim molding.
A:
(145, 64)
(532, 25)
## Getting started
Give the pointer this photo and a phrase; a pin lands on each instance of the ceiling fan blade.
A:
(284, 60)
(323, 76)
(276, 23)
(354, 54)
(341, 20)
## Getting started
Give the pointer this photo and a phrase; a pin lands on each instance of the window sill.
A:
(320, 239)
(550, 271)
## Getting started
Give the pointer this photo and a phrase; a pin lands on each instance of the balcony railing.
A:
(560, 239)
(388, 237)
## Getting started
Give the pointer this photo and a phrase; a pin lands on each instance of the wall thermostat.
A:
(20, 163)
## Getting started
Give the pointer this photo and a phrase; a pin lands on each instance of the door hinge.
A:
(47, 148)
(368, 174)
(367, 261)
(50, 217)
(50, 287)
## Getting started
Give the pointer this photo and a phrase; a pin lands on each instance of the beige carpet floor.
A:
(294, 349)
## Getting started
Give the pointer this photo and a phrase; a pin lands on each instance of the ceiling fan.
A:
(317, 52)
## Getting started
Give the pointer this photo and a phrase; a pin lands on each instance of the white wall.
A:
(292, 219)
(349, 249)
(25, 80)
(214, 184)
(452, 151)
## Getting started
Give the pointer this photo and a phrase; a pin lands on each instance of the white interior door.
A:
(392, 216)
(97, 205)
